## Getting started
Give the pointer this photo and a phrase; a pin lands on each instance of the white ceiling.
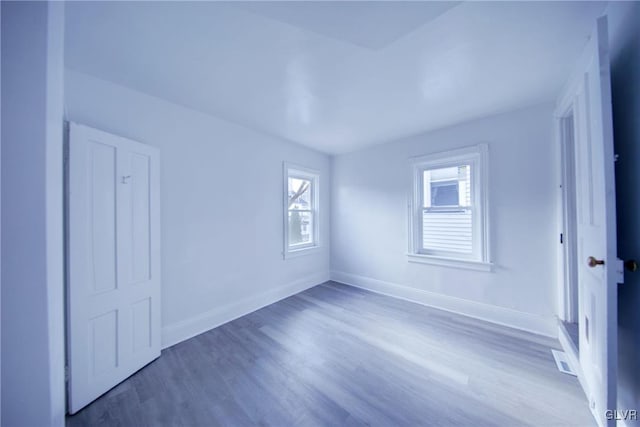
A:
(335, 76)
(366, 24)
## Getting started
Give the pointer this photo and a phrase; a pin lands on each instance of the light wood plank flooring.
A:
(340, 356)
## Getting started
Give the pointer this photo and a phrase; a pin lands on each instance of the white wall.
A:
(369, 235)
(625, 84)
(32, 282)
(221, 205)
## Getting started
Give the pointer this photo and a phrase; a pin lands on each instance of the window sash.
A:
(457, 239)
(476, 157)
(311, 212)
(419, 179)
(312, 233)
(452, 208)
(311, 189)
(312, 230)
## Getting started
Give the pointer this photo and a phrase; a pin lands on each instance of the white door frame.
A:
(568, 286)
(567, 309)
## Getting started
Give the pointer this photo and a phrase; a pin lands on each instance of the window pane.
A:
(447, 224)
(299, 193)
(300, 228)
(447, 187)
(447, 231)
(444, 193)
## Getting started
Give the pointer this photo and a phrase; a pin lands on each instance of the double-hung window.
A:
(301, 199)
(449, 209)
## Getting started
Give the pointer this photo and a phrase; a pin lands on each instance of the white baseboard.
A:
(181, 331)
(491, 313)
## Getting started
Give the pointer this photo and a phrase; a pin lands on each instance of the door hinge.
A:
(619, 268)
(561, 239)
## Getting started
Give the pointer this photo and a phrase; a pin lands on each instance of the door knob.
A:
(631, 265)
(592, 262)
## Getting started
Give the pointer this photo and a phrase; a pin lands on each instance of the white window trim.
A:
(478, 155)
(314, 176)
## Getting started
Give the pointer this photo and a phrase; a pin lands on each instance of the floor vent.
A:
(562, 362)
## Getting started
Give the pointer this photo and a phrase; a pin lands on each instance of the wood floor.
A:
(340, 356)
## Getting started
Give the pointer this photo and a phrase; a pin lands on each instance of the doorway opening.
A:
(569, 316)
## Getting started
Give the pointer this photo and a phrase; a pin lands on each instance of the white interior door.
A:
(587, 98)
(113, 261)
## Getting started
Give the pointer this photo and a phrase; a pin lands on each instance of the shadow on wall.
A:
(625, 84)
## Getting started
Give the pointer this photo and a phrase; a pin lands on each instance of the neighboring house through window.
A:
(449, 209)
(300, 210)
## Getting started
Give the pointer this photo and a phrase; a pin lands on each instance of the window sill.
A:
(451, 262)
(294, 253)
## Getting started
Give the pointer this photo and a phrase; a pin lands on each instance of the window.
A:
(449, 223)
(300, 210)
